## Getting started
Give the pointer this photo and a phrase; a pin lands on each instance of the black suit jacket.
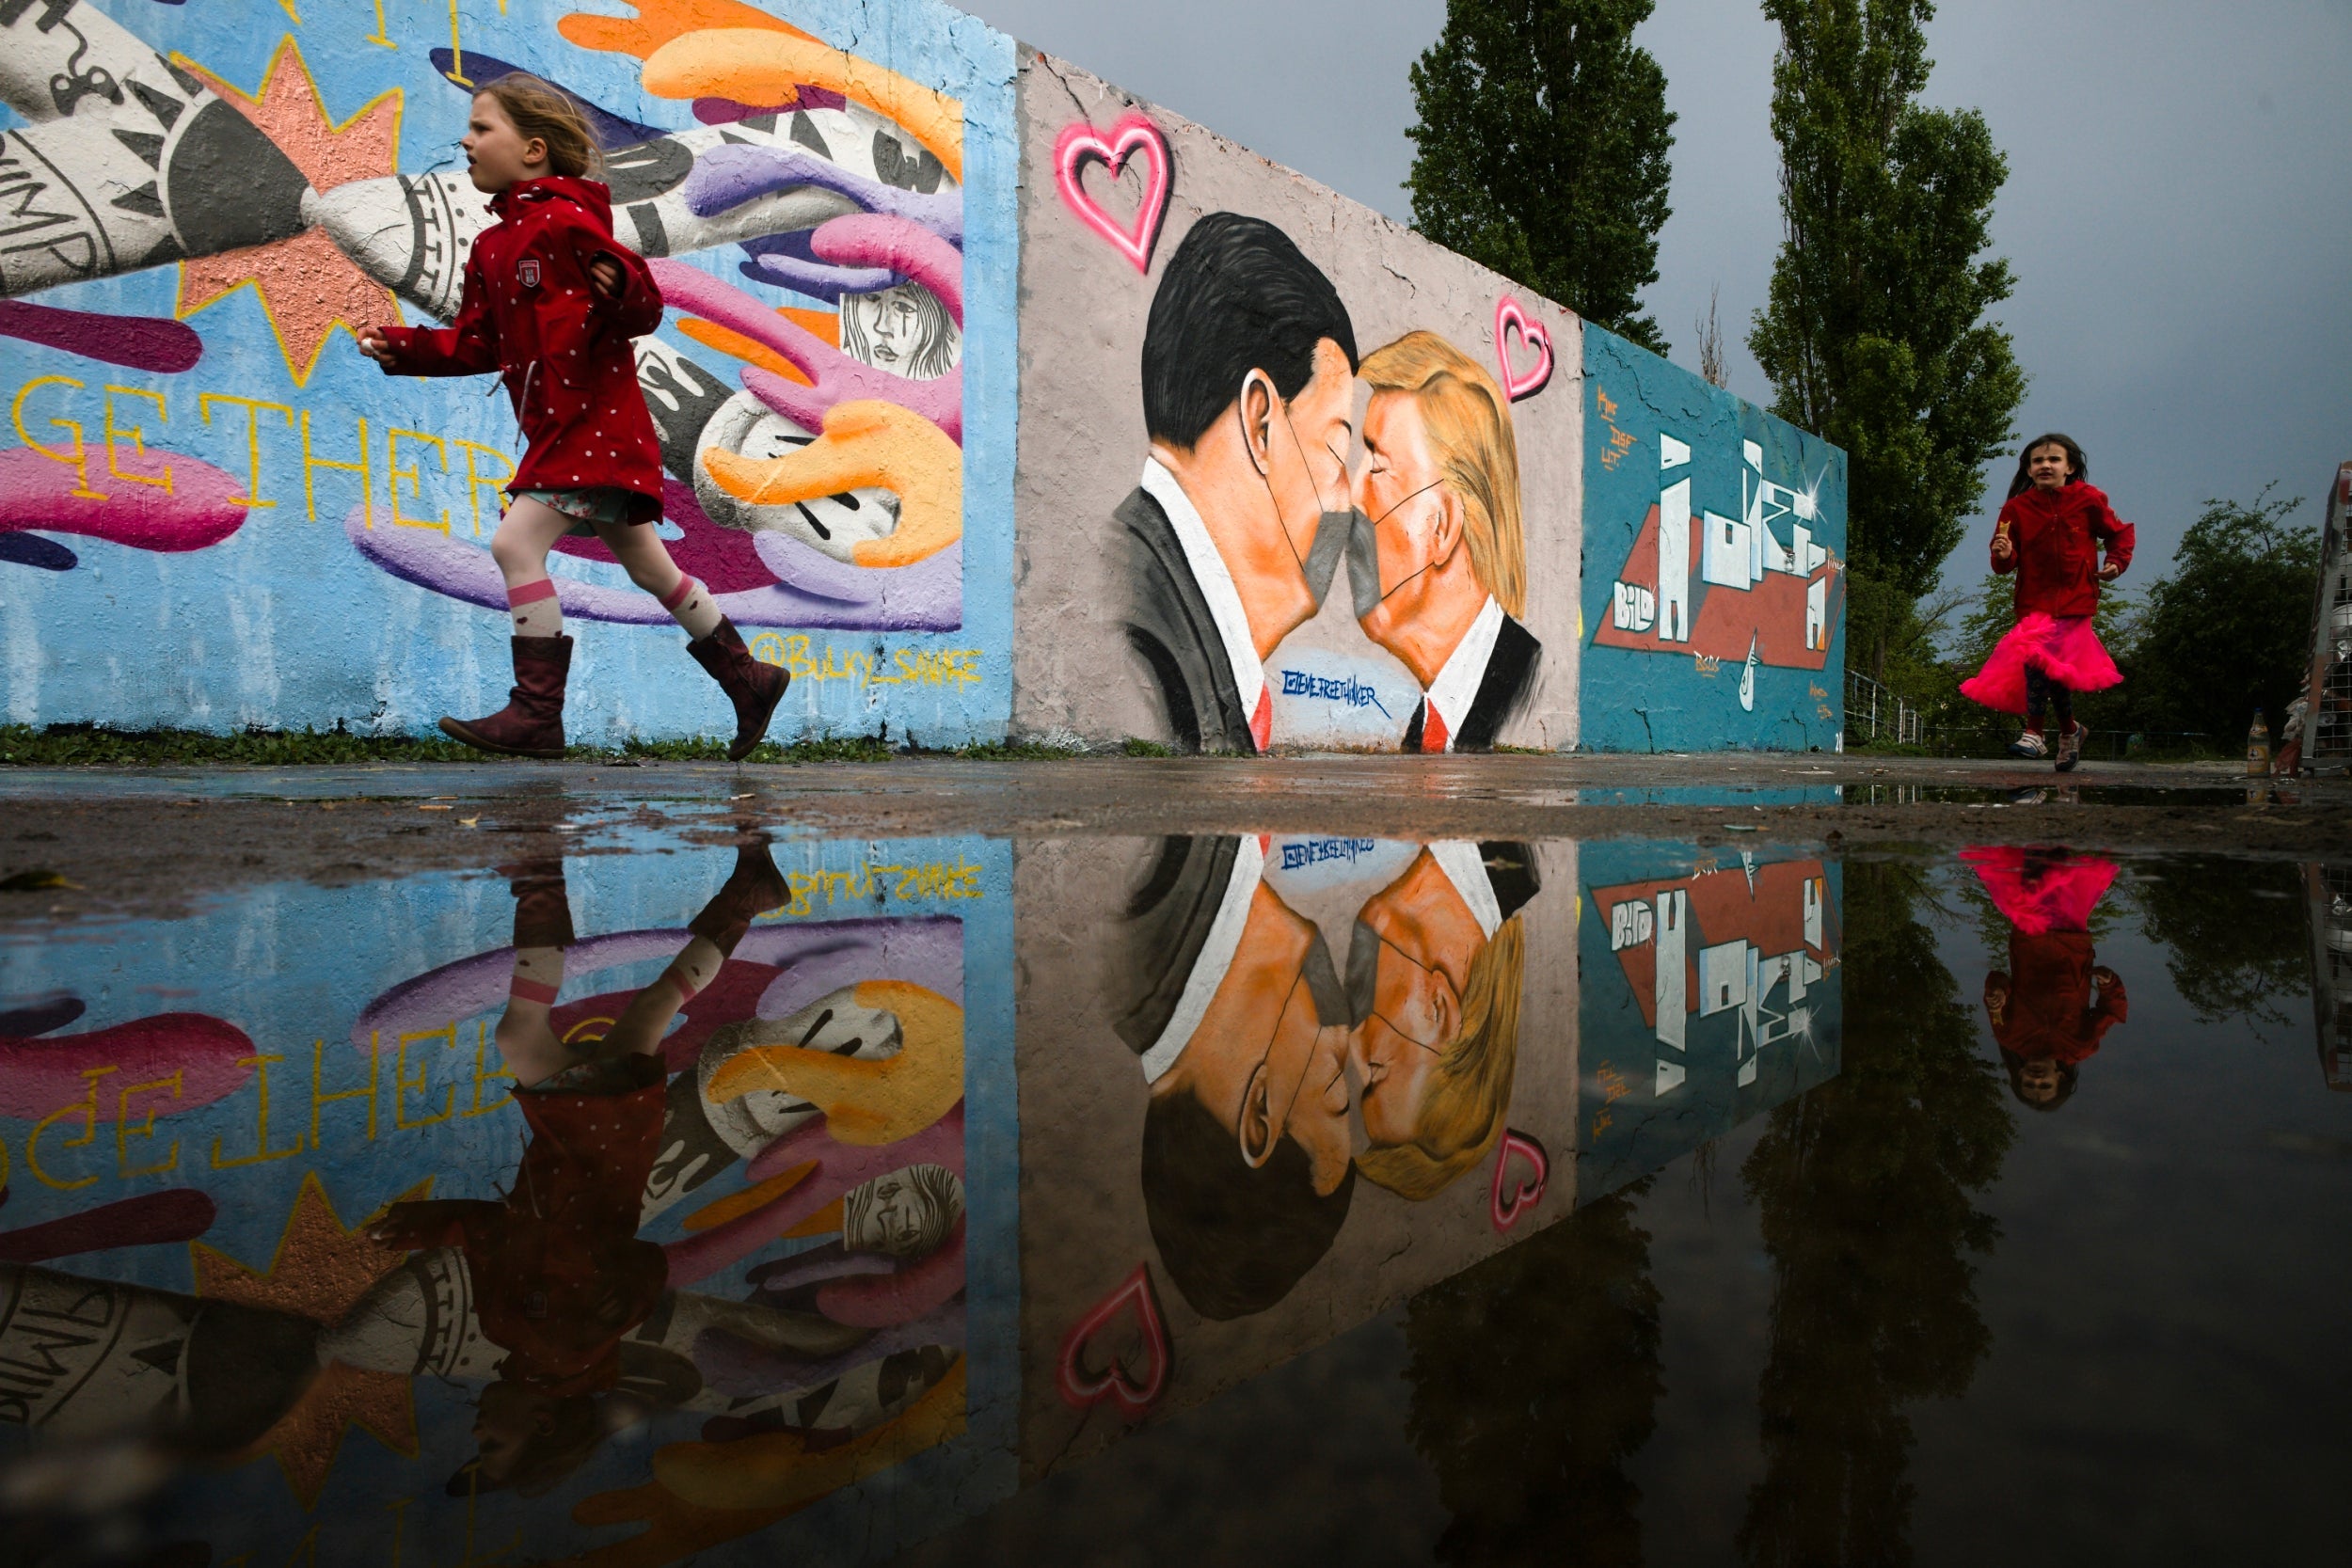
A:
(1510, 670)
(1168, 621)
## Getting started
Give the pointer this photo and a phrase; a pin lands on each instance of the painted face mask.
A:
(1335, 532)
(1363, 556)
(1363, 978)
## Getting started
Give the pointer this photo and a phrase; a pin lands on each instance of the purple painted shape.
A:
(201, 509)
(813, 1267)
(837, 378)
(31, 549)
(140, 342)
(891, 245)
(727, 111)
(839, 1167)
(890, 950)
(178, 1214)
(464, 570)
(908, 1294)
(723, 559)
(925, 953)
(727, 177)
(786, 262)
(742, 1370)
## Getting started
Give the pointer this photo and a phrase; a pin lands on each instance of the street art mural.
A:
(1296, 1077)
(214, 513)
(1714, 569)
(1355, 521)
(1711, 992)
(450, 1232)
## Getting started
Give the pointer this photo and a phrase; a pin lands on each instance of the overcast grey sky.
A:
(2177, 214)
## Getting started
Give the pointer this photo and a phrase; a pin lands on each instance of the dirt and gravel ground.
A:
(148, 840)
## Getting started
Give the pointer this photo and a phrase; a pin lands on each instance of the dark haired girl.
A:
(2049, 535)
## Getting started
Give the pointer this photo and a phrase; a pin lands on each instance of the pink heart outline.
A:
(1509, 314)
(1081, 1390)
(1527, 1194)
(1135, 131)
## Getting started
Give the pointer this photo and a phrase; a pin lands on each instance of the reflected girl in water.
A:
(2052, 1008)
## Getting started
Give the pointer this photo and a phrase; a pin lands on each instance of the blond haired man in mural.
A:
(1441, 490)
(1434, 976)
(1238, 525)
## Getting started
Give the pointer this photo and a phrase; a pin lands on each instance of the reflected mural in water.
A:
(669, 1224)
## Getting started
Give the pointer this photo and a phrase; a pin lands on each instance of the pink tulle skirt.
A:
(2062, 648)
(2039, 890)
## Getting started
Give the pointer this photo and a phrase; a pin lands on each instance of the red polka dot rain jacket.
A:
(560, 349)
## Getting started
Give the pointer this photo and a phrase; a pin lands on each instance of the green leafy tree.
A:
(1865, 1192)
(1536, 1380)
(2228, 630)
(1875, 336)
(2236, 935)
(1541, 151)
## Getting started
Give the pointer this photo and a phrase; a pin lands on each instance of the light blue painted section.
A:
(284, 624)
(1650, 681)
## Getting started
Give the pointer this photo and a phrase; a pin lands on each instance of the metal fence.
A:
(1874, 710)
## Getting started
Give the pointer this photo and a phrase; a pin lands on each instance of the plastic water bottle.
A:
(2258, 746)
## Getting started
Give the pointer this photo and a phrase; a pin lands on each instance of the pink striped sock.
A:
(689, 605)
(537, 609)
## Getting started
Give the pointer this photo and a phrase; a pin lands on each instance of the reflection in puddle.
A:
(722, 1205)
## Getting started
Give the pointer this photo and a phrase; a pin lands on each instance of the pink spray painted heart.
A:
(1528, 1190)
(1134, 133)
(1083, 1387)
(1510, 315)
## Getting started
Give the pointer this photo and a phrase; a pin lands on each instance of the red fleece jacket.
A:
(563, 349)
(2057, 537)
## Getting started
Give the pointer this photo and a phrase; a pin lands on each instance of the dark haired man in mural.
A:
(1434, 977)
(1447, 580)
(1242, 515)
(1235, 1010)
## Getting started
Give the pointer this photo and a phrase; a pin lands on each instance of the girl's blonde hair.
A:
(543, 112)
(1468, 423)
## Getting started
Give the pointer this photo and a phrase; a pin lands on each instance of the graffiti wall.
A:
(1205, 1026)
(214, 513)
(1714, 566)
(280, 1204)
(1289, 474)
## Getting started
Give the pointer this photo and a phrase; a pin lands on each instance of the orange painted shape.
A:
(825, 1222)
(735, 1205)
(658, 22)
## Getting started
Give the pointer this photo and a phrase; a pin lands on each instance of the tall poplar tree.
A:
(1876, 337)
(1541, 151)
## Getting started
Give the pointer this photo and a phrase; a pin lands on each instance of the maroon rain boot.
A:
(543, 911)
(753, 888)
(753, 687)
(532, 722)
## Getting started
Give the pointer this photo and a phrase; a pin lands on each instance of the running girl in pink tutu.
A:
(2050, 533)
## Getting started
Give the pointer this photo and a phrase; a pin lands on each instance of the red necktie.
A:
(1261, 719)
(1433, 731)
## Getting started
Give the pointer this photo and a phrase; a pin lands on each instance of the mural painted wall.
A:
(1714, 566)
(1289, 474)
(1712, 992)
(1203, 1024)
(214, 513)
(756, 1300)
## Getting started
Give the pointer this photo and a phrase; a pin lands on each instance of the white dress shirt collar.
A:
(1216, 581)
(1456, 687)
(1215, 958)
(1465, 868)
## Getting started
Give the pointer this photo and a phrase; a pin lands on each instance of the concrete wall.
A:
(1112, 189)
(1714, 566)
(217, 513)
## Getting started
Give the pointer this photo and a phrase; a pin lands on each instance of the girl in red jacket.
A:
(2049, 535)
(551, 300)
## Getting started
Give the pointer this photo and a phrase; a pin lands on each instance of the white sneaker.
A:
(2029, 744)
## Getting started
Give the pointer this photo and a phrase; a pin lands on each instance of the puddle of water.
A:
(1272, 1196)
